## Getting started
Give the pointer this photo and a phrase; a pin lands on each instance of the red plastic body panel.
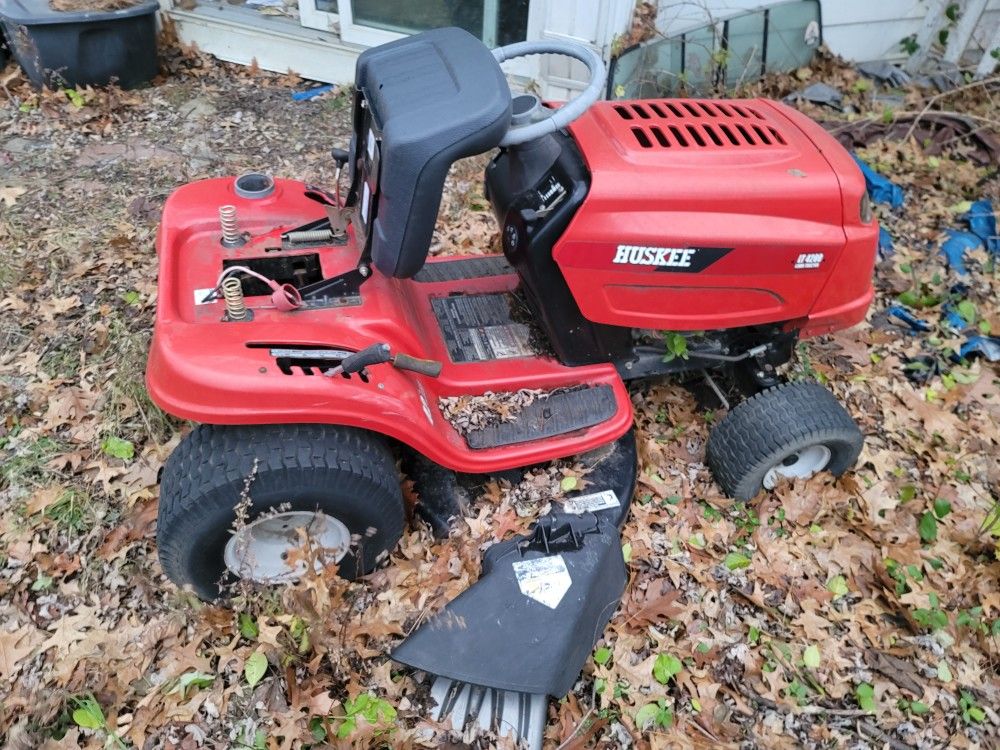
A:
(751, 180)
(201, 368)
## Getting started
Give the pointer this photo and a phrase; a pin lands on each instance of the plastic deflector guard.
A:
(524, 630)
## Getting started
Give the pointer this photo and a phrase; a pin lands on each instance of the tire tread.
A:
(205, 474)
(745, 443)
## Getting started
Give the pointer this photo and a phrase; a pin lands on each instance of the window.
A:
(370, 22)
(720, 55)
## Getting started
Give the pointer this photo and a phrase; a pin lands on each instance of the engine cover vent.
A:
(695, 123)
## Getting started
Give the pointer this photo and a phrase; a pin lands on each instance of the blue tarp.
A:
(953, 319)
(983, 223)
(884, 243)
(301, 96)
(987, 346)
(955, 247)
(902, 314)
(880, 188)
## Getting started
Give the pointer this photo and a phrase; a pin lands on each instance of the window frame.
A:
(362, 35)
(311, 17)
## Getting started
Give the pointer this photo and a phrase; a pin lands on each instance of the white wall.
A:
(855, 29)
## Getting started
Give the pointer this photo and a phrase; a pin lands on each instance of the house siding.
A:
(858, 30)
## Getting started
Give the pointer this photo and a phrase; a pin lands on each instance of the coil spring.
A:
(314, 235)
(230, 229)
(232, 292)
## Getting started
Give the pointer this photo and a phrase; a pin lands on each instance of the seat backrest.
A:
(421, 103)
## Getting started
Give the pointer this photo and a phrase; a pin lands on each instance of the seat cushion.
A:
(434, 98)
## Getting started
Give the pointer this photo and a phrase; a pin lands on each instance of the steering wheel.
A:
(572, 109)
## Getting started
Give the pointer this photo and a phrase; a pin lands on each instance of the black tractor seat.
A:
(421, 104)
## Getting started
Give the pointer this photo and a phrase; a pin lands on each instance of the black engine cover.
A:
(535, 190)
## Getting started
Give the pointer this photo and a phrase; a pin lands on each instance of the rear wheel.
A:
(337, 484)
(794, 430)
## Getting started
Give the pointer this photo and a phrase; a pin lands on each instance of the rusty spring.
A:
(232, 292)
(230, 228)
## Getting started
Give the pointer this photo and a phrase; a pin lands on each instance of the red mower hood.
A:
(715, 214)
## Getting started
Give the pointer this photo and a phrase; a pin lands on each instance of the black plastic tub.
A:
(63, 49)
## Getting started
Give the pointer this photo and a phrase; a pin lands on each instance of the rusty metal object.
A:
(935, 130)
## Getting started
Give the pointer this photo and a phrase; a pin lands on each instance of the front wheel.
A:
(794, 431)
(243, 503)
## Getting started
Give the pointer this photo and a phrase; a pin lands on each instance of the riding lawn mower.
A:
(315, 342)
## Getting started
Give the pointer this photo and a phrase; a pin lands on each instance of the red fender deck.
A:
(207, 370)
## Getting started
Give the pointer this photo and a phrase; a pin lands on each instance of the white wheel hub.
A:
(799, 465)
(273, 548)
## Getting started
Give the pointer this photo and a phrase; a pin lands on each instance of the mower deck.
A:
(461, 312)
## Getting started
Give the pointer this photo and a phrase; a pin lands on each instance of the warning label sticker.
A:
(478, 328)
(592, 502)
(204, 296)
(544, 579)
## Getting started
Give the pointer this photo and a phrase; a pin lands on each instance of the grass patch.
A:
(72, 512)
(128, 411)
(27, 462)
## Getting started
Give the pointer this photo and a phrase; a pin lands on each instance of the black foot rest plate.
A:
(558, 414)
(465, 268)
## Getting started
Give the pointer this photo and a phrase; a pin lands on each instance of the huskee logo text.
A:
(670, 257)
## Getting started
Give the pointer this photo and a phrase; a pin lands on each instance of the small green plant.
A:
(973, 620)
(75, 97)
(837, 586)
(972, 713)
(865, 694)
(373, 710)
(654, 716)
(118, 448)
(991, 523)
(87, 714)
(248, 626)
(709, 513)
(341, 99)
(255, 668)
(901, 573)
(777, 523)
(249, 737)
(677, 346)
(666, 667)
(933, 617)
(928, 525)
(798, 691)
(191, 681)
(745, 519)
(737, 561)
(914, 707)
(804, 370)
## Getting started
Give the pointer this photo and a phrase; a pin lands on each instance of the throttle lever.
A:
(375, 354)
(429, 367)
(378, 354)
